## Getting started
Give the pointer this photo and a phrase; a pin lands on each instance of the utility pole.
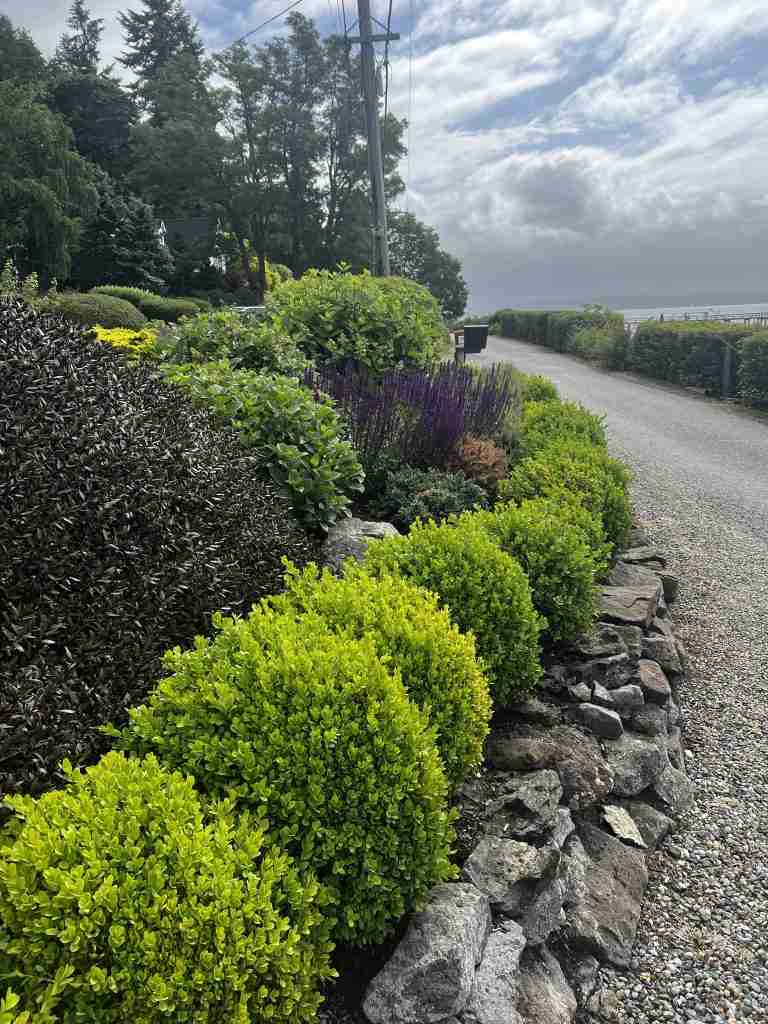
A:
(373, 126)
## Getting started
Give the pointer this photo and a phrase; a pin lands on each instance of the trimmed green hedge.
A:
(555, 329)
(753, 369)
(686, 352)
(542, 422)
(91, 309)
(157, 307)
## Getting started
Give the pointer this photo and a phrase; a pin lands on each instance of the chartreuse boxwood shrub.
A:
(568, 469)
(120, 901)
(542, 422)
(241, 338)
(89, 309)
(484, 589)
(135, 344)
(537, 388)
(310, 730)
(133, 518)
(438, 664)
(295, 436)
(753, 369)
(410, 494)
(548, 540)
(154, 307)
(379, 323)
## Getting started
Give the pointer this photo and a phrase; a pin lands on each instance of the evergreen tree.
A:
(20, 59)
(100, 113)
(79, 51)
(120, 243)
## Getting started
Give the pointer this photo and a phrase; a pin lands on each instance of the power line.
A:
(265, 23)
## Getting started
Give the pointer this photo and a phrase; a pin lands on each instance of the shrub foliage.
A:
(133, 518)
(119, 901)
(411, 494)
(311, 731)
(89, 309)
(437, 663)
(753, 369)
(686, 352)
(485, 590)
(543, 422)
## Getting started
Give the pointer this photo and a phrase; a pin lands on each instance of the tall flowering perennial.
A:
(414, 416)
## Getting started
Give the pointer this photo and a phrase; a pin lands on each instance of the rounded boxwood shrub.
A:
(310, 730)
(90, 309)
(119, 901)
(158, 307)
(544, 422)
(566, 469)
(438, 664)
(485, 590)
(133, 518)
(536, 388)
(557, 558)
(412, 494)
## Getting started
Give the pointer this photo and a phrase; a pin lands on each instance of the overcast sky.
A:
(567, 151)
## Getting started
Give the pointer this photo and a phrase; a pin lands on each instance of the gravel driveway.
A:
(701, 489)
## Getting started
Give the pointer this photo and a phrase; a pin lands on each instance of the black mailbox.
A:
(475, 338)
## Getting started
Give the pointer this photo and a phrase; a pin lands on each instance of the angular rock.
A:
(671, 585)
(622, 825)
(544, 913)
(431, 973)
(650, 720)
(662, 627)
(627, 700)
(673, 714)
(499, 868)
(636, 763)
(652, 825)
(545, 995)
(535, 712)
(653, 683)
(601, 696)
(611, 670)
(564, 827)
(644, 554)
(599, 721)
(602, 918)
(602, 642)
(632, 637)
(629, 606)
(682, 653)
(675, 790)
(662, 649)
(521, 753)
(349, 538)
(582, 974)
(580, 692)
(624, 575)
(675, 749)
(527, 807)
(495, 990)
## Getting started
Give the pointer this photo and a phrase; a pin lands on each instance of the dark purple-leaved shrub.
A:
(126, 518)
(414, 417)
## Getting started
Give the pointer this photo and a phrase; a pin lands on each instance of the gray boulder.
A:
(632, 604)
(627, 700)
(602, 915)
(349, 538)
(503, 869)
(545, 995)
(671, 584)
(636, 763)
(579, 692)
(601, 696)
(527, 807)
(582, 974)
(645, 554)
(521, 753)
(599, 721)
(623, 826)
(662, 649)
(431, 973)
(603, 641)
(612, 670)
(495, 990)
(632, 637)
(652, 825)
(674, 789)
(650, 720)
(653, 683)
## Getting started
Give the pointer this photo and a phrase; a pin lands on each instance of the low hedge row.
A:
(90, 309)
(154, 307)
(752, 369)
(554, 329)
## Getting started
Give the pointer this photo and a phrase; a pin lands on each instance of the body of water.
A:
(696, 312)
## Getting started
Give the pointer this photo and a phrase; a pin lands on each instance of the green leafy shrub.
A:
(295, 437)
(567, 469)
(124, 291)
(686, 352)
(411, 494)
(245, 341)
(311, 731)
(133, 518)
(380, 323)
(91, 308)
(543, 422)
(556, 556)
(537, 388)
(753, 369)
(555, 329)
(485, 590)
(119, 893)
(437, 663)
(605, 346)
(158, 307)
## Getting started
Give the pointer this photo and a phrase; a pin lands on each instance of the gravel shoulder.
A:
(701, 491)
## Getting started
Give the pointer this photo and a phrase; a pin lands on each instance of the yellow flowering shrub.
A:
(136, 344)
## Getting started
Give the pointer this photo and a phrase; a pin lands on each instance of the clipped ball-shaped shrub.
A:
(380, 323)
(296, 437)
(158, 307)
(133, 518)
(557, 558)
(91, 308)
(544, 422)
(536, 388)
(119, 901)
(310, 730)
(437, 663)
(485, 590)
(412, 494)
(568, 469)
